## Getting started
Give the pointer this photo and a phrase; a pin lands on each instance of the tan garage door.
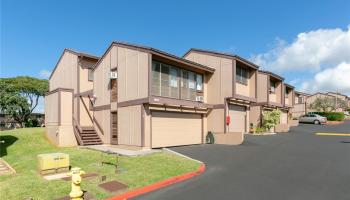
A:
(175, 129)
(238, 118)
(284, 117)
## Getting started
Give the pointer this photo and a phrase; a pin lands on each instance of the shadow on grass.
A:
(5, 142)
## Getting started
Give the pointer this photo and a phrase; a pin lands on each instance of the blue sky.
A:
(34, 33)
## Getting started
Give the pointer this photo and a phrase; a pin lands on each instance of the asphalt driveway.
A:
(297, 165)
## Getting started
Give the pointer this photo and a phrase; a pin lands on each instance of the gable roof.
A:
(271, 74)
(79, 54)
(222, 54)
(302, 93)
(288, 85)
(158, 52)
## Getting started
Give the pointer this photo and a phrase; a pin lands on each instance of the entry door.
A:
(238, 118)
(114, 135)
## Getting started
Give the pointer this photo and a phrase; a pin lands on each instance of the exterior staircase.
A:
(89, 136)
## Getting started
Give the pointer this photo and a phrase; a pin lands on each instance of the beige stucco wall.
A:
(101, 88)
(249, 89)
(255, 115)
(262, 87)
(273, 97)
(132, 74)
(85, 119)
(65, 75)
(243, 89)
(219, 83)
(147, 126)
(129, 122)
(279, 92)
(215, 120)
(85, 84)
(103, 118)
(60, 134)
(51, 109)
(298, 110)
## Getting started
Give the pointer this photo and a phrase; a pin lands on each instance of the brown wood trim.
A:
(150, 128)
(234, 65)
(59, 107)
(202, 128)
(142, 125)
(59, 89)
(149, 74)
(78, 91)
(133, 102)
(180, 102)
(223, 55)
(103, 107)
(86, 108)
(98, 125)
(219, 106)
(84, 94)
(238, 96)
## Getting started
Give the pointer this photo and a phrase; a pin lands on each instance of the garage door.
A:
(175, 129)
(238, 118)
(284, 118)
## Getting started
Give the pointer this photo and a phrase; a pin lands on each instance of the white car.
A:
(312, 118)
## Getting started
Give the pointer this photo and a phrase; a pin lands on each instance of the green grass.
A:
(27, 182)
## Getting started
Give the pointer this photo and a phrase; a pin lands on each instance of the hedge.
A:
(332, 116)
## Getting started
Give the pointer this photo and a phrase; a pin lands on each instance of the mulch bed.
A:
(84, 176)
(113, 186)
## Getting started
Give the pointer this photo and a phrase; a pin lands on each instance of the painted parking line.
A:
(333, 134)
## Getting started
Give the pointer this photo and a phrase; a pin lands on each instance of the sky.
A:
(307, 42)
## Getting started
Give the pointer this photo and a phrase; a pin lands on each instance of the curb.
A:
(158, 185)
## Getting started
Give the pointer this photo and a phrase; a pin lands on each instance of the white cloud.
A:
(331, 79)
(44, 73)
(310, 51)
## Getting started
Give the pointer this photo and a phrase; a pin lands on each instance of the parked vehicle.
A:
(312, 118)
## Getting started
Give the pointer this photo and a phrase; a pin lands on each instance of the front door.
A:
(114, 135)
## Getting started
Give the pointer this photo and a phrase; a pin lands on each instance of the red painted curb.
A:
(158, 185)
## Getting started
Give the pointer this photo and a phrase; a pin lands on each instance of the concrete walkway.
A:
(115, 149)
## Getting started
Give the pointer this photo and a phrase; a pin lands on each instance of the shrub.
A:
(332, 116)
(271, 118)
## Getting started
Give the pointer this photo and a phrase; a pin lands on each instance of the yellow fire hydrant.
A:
(76, 193)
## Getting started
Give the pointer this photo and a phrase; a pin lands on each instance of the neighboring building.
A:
(67, 113)
(272, 95)
(232, 89)
(7, 122)
(299, 107)
(341, 97)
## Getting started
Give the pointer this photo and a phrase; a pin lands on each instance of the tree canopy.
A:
(19, 96)
(328, 104)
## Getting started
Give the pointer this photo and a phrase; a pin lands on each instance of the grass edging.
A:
(164, 183)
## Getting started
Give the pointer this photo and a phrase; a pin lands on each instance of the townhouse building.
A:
(141, 97)
(272, 93)
(299, 107)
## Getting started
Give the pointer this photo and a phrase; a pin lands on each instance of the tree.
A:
(327, 104)
(19, 96)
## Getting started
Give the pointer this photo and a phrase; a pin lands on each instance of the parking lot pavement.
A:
(295, 165)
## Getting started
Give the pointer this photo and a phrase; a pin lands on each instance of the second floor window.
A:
(242, 75)
(90, 75)
(166, 82)
(272, 86)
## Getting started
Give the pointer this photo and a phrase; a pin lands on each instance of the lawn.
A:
(23, 146)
